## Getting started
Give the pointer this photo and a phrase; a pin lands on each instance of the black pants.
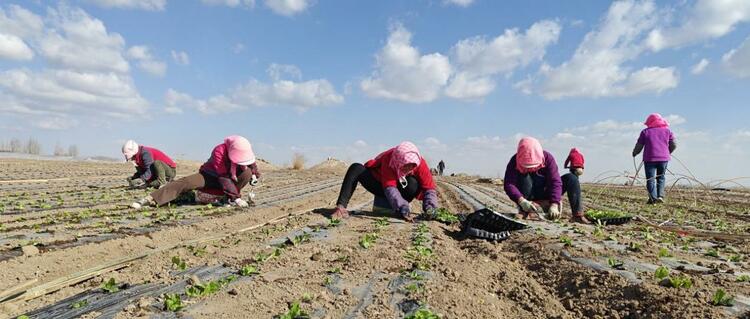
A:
(358, 173)
(533, 187)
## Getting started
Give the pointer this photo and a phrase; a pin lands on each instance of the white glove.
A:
(528, 206)
(240, 202)
(254, 180)
(554, 211)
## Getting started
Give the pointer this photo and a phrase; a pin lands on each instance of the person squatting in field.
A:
(533, 182)
(399, 175)
(230, 168)
(152, 166)
(657, 143)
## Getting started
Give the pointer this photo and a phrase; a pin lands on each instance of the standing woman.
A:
(533, 181)
(657, 143)
(399, 174)
(230, 168)
(152, 166)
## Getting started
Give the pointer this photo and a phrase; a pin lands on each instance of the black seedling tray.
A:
(613, 220)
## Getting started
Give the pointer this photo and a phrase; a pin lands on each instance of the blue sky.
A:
(463, 79)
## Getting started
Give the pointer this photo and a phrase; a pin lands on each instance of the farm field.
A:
(71, 247)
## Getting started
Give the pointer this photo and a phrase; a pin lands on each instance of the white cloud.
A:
(434, 144)
(478, 59)
(281, 71)
(254, 93)
(596, 69)
(231, 3)
(699, 67)
(151, 5)
(460, 3)
(86, 75)
(707, 19)
(180, 57)
(737, 61)
(20, 22)
(404, 74)
(289, 7)
(76, 40)
(146, 61)
(13, 48)
(238, 48)
(67, 92)
(360, 144)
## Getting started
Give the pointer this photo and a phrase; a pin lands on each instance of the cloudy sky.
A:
(463, 79)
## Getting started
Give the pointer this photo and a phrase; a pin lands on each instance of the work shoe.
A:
(489, 225)
(340, 212)
(651, 201)
(580, 218)
(146, 201)
(660, 200)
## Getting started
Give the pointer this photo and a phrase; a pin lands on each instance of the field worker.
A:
(230, 168)
(399, 175)
(572, 186)
(657, 143)
(441, 167)
(532, 181)
(153, 167)
(574, 162)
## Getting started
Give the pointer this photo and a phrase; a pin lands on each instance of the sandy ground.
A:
(75, 215)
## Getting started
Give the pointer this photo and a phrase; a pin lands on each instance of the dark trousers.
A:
(199, 180)
(655, 178)
(358, 173)
(162, 173)
(533, 187)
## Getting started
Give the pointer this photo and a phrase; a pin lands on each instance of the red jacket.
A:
(156, 155)
(574, 160)
(219, 164)
(383, 173)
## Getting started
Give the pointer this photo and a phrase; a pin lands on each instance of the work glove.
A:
(254, 180)
(578, 171)
(240, 202)
(554, 211)
(406, 212)
(528, 206)
(133, 182)
(430, 214)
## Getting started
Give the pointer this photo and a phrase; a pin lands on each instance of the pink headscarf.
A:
(529, 156)
(403, 154)
(240, 153)
(655, 120)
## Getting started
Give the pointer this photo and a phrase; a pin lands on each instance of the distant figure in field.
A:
(152, 167)
(396, 177)
(441, 167)
(574, 162)
(657, 143)
(230, 168)
(532, 180)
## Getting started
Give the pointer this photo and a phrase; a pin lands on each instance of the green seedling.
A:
(263, 257)
(661, 273)
(334, 222)
(422, 313)
(596, 214)
(413, 288)
(680, 282)
(598, 229)
(735, 258)
(422, 228)
(722, 298)
(335, 270)
(200, 290)
(663, 252)
(302, 238)
(343, 258)
(743, 278)
(249, 270)
(327, 281)
(712, 253)
(111, 286)
(294, 312)
(566, 241)
(634, 247)
(368, 240)
(197, 251)
(445, 216)
(23, 317)
(173, 302)
(307, 297)
(614, 263)
(413, 275)
(382, 222)
(179, 263)
(79, 304)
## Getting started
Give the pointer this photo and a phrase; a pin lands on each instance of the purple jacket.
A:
(553, 186)
(655, 143)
